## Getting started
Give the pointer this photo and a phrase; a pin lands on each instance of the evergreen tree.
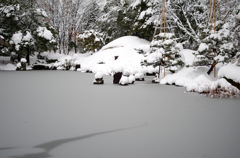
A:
(165, 51)
(219, 42)
(218, 47)
(122, 17)
(91, 41)
(21, 20)
(189, 19)
(112, 20)
(143, 16)
(90, 16)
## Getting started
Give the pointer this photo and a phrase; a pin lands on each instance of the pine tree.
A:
(165, 51)
(189, 19)
(218, 40)
(20, 23)
(219, 47)
(91, 41)
(112, 22)
(143, 14)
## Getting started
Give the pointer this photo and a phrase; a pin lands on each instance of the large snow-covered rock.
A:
(122, 52)
(128, 42)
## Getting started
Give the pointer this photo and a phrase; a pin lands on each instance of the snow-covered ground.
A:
(61, 114)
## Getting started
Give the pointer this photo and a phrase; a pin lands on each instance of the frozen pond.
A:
(63, 115)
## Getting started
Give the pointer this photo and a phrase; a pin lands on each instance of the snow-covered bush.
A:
(65, 63)
(139, 77)
(91, 41)
(46, 37)
(22, 65)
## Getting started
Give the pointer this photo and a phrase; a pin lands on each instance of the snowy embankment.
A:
(197, 80)
(123, 54)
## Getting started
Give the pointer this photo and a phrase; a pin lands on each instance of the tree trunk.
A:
(28, 58)
(19, 57)
(75, 42)
(233, 83)
(211, 68)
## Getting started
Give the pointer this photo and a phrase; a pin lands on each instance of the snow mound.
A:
(121, 53)
(230, 71)
(129, 42)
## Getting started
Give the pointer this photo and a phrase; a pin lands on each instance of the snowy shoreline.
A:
(123, 55)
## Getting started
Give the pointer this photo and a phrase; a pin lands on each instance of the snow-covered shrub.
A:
(66, 63)
(46, 37)
(91, 41)
(139, 77)
(22, 40)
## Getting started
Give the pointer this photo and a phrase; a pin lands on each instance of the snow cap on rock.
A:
(99, 75)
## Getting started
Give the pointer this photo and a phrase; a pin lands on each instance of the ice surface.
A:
(62, 114)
